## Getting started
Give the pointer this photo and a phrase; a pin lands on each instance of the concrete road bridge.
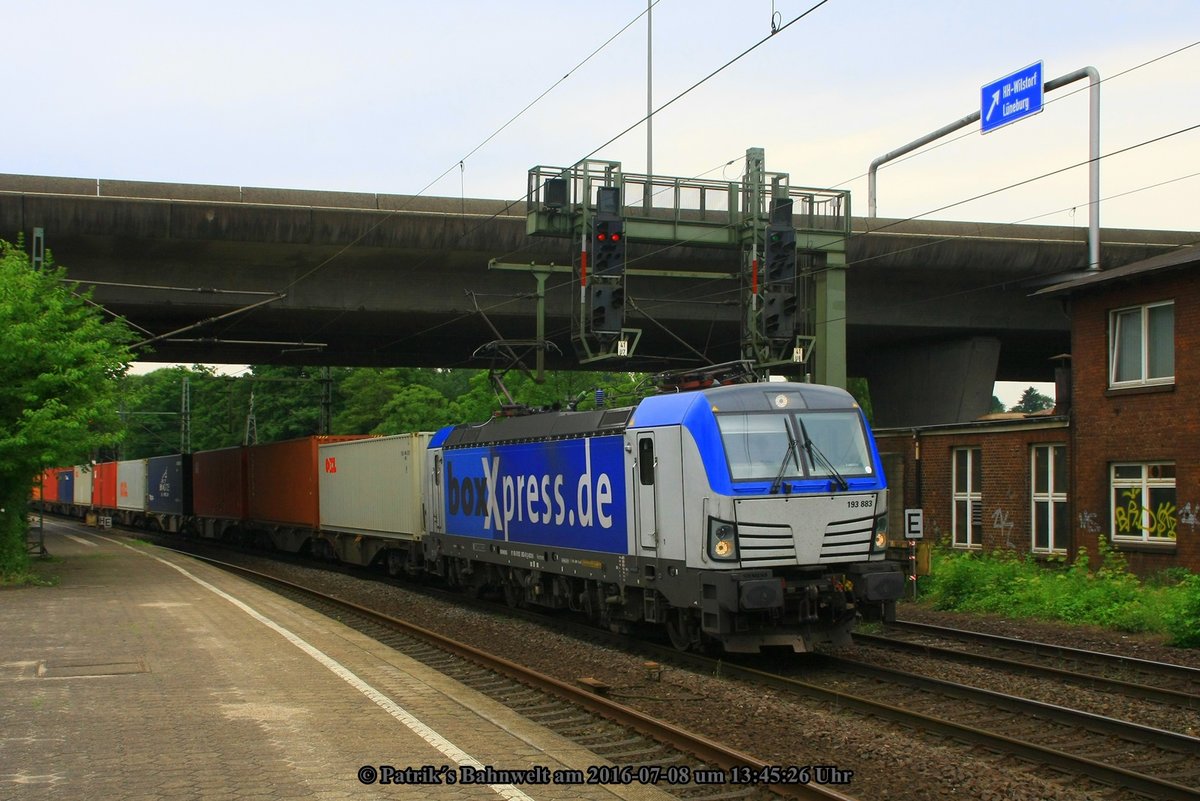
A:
(935, 311)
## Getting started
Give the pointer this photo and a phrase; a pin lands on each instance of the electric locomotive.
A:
(748, 515)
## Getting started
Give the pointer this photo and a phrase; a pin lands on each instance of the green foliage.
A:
(287, 400)
(287, 404)
(861, 391)
(997, 406)
(1182, 616)
(1033, 401)
(1110, 596)
(59, 361)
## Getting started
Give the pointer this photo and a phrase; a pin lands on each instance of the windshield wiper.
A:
(815, 455)
(791, 454)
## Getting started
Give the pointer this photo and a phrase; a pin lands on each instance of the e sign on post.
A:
(914, 524)
(1013, 97)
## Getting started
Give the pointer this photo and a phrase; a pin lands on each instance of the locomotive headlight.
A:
(722, 540)
(880, 540)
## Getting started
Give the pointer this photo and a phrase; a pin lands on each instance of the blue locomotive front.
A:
(746, 515)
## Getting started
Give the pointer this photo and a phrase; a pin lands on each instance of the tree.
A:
(997, 405)
(60, 362)
(1033, 401)
(414, 408)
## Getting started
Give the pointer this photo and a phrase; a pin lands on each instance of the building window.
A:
(968, 498)
(1142, 345)
(1143, 503)
(1048, 479)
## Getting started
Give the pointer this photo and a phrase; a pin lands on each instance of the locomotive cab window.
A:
(814, 444)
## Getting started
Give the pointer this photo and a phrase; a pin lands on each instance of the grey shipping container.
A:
(169, 484)
(373, 486)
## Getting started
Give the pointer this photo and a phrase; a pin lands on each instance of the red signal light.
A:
(616, 237)
(601, 237)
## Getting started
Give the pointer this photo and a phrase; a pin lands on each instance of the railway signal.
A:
(606, 307)
(605, 312)
(781, 254)
(608, 246)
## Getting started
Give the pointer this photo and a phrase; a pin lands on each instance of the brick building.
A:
(1135, 409)
(1119, 456)
(995, 483)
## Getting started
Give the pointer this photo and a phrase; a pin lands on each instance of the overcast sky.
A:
(387, 96)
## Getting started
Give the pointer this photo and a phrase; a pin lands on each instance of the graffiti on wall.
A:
(1133, 518)
(1089, 522)
(1188, 514)
(1003, 524)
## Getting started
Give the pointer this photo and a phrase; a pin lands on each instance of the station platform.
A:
(145, 674)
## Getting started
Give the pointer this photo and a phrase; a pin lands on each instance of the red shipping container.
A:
(219, 483)
(281, 481)
(104, 485)
(46, 487)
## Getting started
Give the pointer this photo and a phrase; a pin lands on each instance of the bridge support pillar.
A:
(947, 381)
(831, 326)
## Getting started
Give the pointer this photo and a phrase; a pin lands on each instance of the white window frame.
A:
(1052, 496)
(1126, 499)
(972, 497)
(1143, 320)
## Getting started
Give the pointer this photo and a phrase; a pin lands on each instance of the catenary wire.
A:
(895, 222)
(729, 292)
(925, 150)
(460, 162)
(774, 30)
(943, 208)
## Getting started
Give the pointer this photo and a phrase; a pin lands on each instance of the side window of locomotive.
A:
(646, 461)
(437, 470)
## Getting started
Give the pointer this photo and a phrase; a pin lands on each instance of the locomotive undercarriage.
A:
(740, 611)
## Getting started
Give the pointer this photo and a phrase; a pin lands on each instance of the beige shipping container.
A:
(131, 485)
(373, 486)
(83, 485)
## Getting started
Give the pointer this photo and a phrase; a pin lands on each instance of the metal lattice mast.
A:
(185, 416)
(251, 437)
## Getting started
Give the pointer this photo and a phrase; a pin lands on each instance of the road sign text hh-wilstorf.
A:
(1013, 97)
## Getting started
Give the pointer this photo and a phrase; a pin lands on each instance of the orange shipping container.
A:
(281, 481)
(45, 486)
(104, 485)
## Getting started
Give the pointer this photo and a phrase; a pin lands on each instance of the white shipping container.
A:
(131, 485)
(83, 485)
(373, 486)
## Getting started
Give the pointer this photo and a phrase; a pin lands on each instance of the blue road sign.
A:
(1013, 97)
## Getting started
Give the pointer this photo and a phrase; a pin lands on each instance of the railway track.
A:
(1093, 750)
(1178, 685)
(1091, 747)
(642, 749)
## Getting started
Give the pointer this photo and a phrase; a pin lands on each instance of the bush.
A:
(1109, 596)
(1182, 616)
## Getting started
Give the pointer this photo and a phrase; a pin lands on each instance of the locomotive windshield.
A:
(756, 445)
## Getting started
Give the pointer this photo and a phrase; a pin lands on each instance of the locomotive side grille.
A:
(847, 541)
(766, 546)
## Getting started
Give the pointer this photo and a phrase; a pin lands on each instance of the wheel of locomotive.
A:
(451, 575)
(514, 596)
(681, 629)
